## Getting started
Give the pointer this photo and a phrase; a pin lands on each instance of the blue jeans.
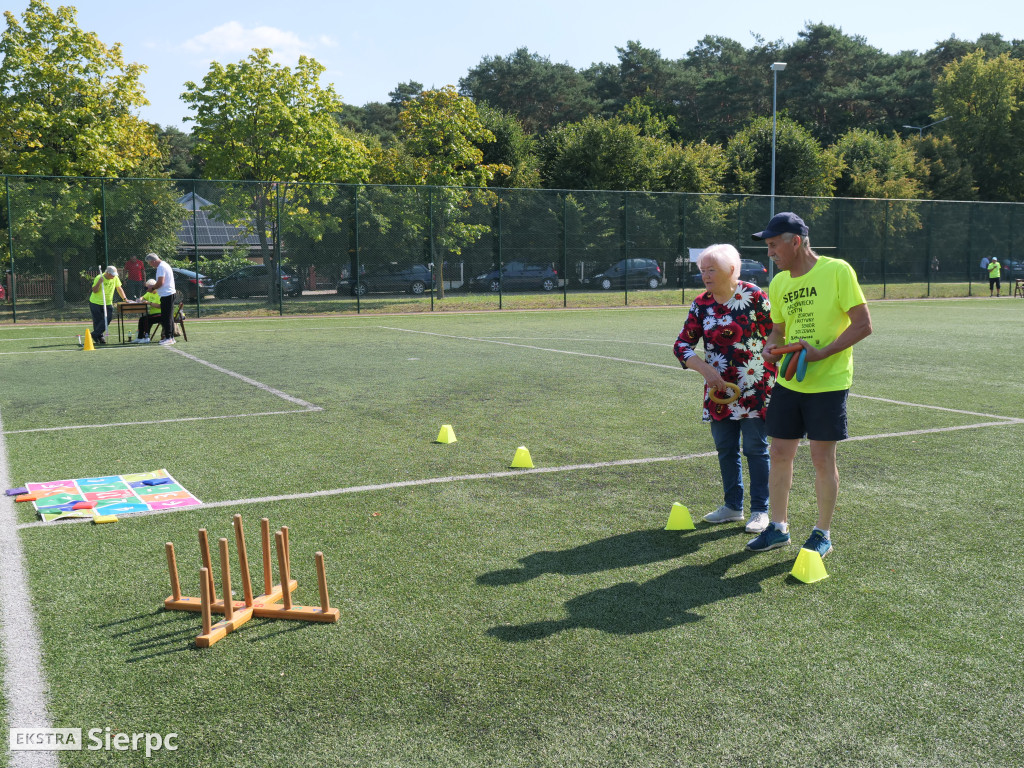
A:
(99, 322)
(726, 435)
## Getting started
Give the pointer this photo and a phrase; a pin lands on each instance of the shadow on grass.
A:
(180, 629)
(667, 601)
(622, 551)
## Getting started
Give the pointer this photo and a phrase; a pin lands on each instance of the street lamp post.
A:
(776, 67)
(920, 128)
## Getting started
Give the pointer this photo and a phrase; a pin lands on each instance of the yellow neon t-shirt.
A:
(153, 297)
(814, 307)
(106, 292)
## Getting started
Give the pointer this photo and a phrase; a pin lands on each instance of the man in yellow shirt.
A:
(816, 303)
(101, 302)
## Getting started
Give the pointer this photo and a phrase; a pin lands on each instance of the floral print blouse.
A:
(734, 335)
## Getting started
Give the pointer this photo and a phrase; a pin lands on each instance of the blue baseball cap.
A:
(780, 223)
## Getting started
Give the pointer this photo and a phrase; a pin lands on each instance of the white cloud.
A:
(232, 39)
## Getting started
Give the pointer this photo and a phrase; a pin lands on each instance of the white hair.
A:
(723, 254)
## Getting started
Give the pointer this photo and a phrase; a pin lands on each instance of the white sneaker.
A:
(166, 342)
(723, 514)
(141, 340)
(758, 522)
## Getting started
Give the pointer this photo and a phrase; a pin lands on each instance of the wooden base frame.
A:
(238, 612)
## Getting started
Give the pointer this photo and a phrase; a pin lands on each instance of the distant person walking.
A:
(164, 288)
(994, 270)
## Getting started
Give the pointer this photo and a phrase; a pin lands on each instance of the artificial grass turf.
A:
(531, 632)
(546, 619)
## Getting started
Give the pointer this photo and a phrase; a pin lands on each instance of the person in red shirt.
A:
(135, 276)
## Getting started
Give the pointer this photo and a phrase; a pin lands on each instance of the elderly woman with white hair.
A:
(101, 302)
(733, 319)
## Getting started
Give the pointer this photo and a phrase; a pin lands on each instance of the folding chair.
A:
(178, 321)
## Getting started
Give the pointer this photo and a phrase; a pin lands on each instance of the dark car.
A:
(516, 276)
(631, 273)
(256, 281)
(390, 279)
(188, 285)
(750, 270)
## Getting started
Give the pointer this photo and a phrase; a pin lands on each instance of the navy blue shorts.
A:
(816, 415)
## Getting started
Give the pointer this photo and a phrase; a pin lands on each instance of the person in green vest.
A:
(101, 302)
(152, 315)
(994, 268)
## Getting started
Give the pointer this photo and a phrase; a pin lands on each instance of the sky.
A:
(370, 47)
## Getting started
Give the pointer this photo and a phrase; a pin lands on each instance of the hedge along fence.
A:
(365, 247)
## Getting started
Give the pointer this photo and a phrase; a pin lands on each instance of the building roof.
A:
(208, 231)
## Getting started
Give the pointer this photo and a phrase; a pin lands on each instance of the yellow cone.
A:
(679, 519)
(808, 567)
(446, 435)
(87, 346)
(522, 459)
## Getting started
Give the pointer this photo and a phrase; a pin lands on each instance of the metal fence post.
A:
(103, 219)
(565, 251)
(10, 250)
(195, 249)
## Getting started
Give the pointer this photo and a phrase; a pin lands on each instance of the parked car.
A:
(256, 281)
(188, 285)
(516, 276)
(631, 273)
(750, 270)
(391, 278)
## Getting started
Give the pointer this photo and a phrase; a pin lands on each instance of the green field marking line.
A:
(24, 681)
(306, 407)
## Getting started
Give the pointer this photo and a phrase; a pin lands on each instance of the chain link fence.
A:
(261, 247)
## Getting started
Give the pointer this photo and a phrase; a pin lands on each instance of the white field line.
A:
(247, 380)
(306, 407)
(495, 340)
(24, 681)
(511, 473)
(311, 409)
(676, 367)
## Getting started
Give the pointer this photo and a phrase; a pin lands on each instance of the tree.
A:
(178, 150)
(877, 166)
(946, 175)
(67, 101)
(802, 166)
(599, 154)
(263, 124)
(984, 97)
(512, 147)
(67, 108)
(541, 94)
(441, 135)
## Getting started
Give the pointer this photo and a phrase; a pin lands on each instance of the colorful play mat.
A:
(109, 495)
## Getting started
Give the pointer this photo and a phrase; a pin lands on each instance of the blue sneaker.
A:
(771, 537)
(818, 543)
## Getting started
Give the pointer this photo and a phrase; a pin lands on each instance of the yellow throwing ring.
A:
(726, 400)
